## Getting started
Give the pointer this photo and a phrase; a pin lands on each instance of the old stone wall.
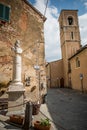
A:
(76, 81)
(54, 73)
(26, 25)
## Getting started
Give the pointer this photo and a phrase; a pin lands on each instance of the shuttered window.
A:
(4, 12)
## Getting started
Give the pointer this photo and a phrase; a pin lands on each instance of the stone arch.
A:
(70, 20)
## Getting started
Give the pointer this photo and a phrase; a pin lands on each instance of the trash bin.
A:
(35, 108)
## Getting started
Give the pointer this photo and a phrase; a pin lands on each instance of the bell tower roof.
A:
(69, 32)
(66, 10)
(68, 17)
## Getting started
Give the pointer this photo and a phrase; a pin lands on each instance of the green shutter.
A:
(7, 10)
(1, 11)
(4, 12)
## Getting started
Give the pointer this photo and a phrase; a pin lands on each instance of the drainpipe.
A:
(50, 75)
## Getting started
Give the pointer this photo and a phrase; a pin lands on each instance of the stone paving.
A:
(66, 108)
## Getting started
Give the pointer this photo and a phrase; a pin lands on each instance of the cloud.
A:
(85, 4)
(40, 5)
(51, 31)
(83, 28)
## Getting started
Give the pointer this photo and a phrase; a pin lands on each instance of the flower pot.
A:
(16, 119)
(38, 126)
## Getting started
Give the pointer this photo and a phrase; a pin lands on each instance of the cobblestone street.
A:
(68, 108)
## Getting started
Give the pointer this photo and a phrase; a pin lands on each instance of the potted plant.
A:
(44, 124)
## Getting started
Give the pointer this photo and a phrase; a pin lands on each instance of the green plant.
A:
(45, 122)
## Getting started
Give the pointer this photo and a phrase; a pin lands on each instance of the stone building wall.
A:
(55, 73)
(78, 75)
(26, 24)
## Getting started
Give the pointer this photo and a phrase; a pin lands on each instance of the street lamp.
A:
(81, 78)
(36, 67)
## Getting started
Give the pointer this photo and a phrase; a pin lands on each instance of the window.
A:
(4, 12)
(71, 35)
(70, 20)
(69, 67)
(77, 62)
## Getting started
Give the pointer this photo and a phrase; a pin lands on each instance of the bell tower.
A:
(69, 37)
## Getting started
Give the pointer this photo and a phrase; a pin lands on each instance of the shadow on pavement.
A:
(68, 109)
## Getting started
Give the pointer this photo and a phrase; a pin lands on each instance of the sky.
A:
(51, 25)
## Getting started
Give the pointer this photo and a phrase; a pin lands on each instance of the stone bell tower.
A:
(69, 37)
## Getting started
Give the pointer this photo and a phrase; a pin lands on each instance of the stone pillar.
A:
(16, 89)
(17, 64)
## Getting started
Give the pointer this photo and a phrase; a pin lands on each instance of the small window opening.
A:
(69, 67)
(72, 35)
(70, 20)
(77, 62)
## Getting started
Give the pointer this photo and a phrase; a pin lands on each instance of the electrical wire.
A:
(46, 8)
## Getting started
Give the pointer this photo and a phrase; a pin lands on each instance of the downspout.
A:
(50, 75)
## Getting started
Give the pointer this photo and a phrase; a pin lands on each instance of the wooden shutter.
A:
(1, 11)
(4, 12)
(7, 12)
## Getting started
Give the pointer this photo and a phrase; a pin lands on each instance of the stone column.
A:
(17, 63)
(16, 89)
